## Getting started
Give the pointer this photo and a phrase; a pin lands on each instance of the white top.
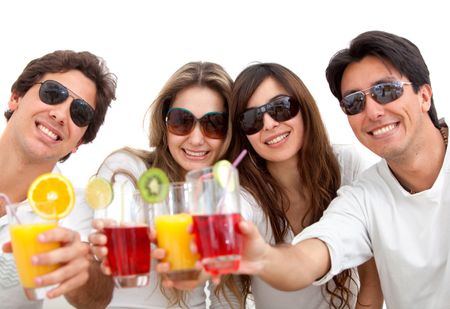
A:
(11, 292)
(407, 234)
(149, 296)
(351, 164)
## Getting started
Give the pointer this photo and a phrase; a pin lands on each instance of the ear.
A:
(13, 102)
(425, 94)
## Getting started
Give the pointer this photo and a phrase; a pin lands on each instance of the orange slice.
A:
(51, 196)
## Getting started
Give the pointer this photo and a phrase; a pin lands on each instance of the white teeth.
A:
(195, 153)
(47, 132)
(277, 139)
(383, 130)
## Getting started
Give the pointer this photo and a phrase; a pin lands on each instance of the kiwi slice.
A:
(153, 185)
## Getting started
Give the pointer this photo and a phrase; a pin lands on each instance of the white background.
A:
(144, 42)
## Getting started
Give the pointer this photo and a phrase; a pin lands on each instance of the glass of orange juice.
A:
(24, 228)
(172, 223)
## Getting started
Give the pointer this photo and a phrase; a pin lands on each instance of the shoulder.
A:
(122, 159)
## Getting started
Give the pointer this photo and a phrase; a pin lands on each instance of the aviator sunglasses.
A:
(181, 122)
(382, 93)
(51, 92)
(280, 109)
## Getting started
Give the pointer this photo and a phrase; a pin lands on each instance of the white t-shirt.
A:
(312, 297)
(150, 296)
(11, 292)
(408, 234)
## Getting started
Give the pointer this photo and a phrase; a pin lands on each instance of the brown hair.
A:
(90, 65)
(318, 168)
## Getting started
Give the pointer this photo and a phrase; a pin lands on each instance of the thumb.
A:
(247, 228)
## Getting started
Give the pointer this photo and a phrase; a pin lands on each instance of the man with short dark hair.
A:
(58, 103)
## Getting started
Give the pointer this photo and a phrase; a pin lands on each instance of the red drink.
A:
(128, 250)
(219, 241)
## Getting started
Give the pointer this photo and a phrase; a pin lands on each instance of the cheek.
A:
(215, 144)
(254, 140)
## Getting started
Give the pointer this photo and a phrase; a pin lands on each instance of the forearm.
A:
(370, 295)
(96, 293)
(294, 267)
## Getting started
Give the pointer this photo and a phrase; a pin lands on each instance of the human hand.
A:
(72, 257)
(253, 250)
(164, 267)
(97, 242)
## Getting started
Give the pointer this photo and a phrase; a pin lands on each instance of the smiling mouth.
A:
(46, 131)
(197, 154)
(277, 139)
(384, 129)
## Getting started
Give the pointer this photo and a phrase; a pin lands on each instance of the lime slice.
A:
(51, 196)
(153, 185)
(98, 193)
(223, 174)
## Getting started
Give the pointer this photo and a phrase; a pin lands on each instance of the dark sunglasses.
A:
(51, 92)
(383, 93)
(280, 109)
(181, 122)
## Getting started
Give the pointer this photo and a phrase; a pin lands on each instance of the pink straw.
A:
(239, 157)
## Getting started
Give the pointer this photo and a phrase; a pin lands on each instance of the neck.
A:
(286, 173)
(18, 173)
(419, 172)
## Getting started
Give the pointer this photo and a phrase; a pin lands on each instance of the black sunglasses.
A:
(280, 109)
(181, 122)
(51, 92)
(383, 93)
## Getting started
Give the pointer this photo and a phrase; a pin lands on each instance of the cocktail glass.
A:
(24, 228)
(215, 210)
(127, 230)
(172, 223)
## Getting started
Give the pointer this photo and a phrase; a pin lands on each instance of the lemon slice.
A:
(98, 193)
(223, 174)
(51, 196)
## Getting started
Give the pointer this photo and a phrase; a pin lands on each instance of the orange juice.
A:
(173, 236)
(25, 244)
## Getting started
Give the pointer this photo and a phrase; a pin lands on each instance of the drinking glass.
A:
(24, 228)
(215, 210)
(126, 222)
(172, 223)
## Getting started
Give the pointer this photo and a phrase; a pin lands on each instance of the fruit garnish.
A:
(99, 193)
(51, 196)
(223, 174)
(153, 185)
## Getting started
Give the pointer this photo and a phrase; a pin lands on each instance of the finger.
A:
(153, 235)
(64, 273)
(69, 285)
(62, 255)
(158, 253)
(162, 268)
(105, 268)
(7, 248)
(59, 234)
(98, 239)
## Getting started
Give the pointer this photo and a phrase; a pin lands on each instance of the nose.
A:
(61, 112)
(269, 122)
(196, 136)
(373, 109)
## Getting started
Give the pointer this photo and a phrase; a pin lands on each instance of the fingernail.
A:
(34, 260)
(41, 237)
(38, 280)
